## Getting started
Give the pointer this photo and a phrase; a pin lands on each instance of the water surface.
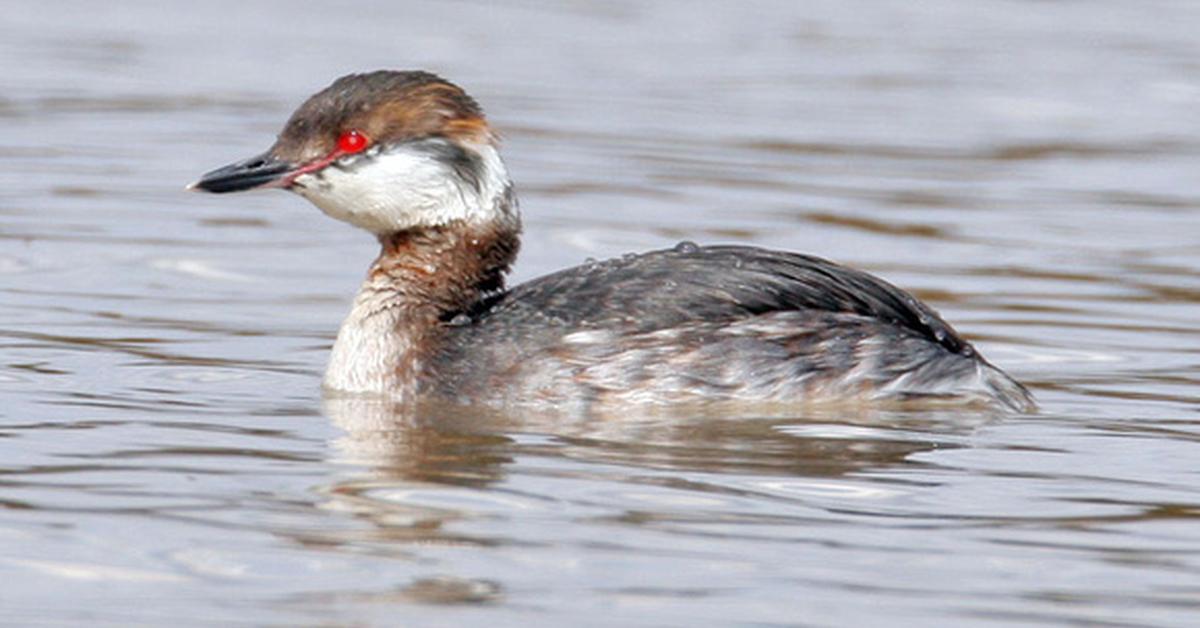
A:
(1029, 168)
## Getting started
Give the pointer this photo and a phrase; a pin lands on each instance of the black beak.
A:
(260, 171)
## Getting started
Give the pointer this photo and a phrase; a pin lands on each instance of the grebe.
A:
(409, 157)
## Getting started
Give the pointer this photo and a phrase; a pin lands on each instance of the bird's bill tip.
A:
(260, 171)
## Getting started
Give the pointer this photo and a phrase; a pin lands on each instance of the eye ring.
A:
(352, 141)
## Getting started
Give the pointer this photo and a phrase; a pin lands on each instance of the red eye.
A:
(352, 142)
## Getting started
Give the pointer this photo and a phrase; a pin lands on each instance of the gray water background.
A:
(1029, 168)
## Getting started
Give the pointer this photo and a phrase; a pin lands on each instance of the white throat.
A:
(416, 184)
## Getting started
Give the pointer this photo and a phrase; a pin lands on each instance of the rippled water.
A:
(1030, 168)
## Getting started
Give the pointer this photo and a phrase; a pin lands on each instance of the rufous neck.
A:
(420, 281)
(444, 269)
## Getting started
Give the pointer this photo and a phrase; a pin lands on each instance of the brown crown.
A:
(388, 107)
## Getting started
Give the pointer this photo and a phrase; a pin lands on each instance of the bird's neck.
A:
(421, 279)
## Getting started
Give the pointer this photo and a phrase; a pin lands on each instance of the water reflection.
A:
(1031, 173)
(415, 470)
(427, 443)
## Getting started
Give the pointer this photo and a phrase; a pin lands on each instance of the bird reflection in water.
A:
(447, 447)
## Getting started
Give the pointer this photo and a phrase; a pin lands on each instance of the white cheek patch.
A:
(405, 187)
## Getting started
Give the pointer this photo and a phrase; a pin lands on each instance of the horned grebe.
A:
(409, 157)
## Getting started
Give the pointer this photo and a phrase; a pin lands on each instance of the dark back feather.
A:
(667, 288)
